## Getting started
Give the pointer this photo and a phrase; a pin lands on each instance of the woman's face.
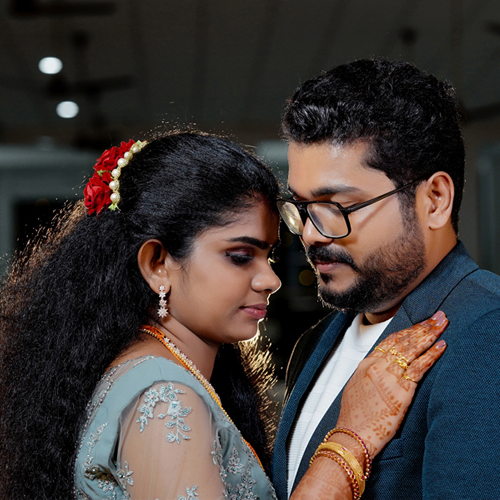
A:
(221, 292)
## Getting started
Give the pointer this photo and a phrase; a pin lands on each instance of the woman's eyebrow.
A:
(263, 245)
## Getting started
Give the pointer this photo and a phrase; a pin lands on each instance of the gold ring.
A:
(409, 378)
(402, 363)
(398, 355)
(380, 349)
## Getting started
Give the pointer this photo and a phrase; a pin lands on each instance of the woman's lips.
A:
(257, 311)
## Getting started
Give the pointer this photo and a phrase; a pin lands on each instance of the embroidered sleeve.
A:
(166, 447)
(174, 415)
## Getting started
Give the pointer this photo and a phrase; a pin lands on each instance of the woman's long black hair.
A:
(75, 299)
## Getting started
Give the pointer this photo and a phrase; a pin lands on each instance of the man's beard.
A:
(383, 276)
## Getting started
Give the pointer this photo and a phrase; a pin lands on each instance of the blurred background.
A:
(78, 76)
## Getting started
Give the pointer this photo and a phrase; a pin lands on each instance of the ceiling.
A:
(222, 64)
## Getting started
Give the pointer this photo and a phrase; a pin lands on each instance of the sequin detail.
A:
(125, 476)
(175, 411)
(191, 494)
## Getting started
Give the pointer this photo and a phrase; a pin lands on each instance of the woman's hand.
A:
(377, 396)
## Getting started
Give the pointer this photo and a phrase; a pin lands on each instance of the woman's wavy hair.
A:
(75, 298)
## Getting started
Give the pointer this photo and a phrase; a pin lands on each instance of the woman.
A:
(114, 322)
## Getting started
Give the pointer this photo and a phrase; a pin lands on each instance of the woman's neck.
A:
(200, 352)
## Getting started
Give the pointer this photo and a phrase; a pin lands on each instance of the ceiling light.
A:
(67, 109)
(50, 65)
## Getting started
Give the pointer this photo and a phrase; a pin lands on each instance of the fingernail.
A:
(440, 344)
(439, 318)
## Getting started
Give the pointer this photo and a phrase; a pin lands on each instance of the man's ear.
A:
(152, 258)
(437, 193)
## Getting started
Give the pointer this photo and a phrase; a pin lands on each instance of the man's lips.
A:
(257, 311)
(327, 266)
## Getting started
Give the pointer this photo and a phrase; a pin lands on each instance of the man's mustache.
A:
(325, 255)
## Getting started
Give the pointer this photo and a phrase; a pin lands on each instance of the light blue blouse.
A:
(153, 432)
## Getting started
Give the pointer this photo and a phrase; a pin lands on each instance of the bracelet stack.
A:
(346, 460)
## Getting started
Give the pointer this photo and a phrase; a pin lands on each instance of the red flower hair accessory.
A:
(102, 189)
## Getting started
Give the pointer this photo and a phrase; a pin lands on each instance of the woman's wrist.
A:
(347, 450)
(354, 446)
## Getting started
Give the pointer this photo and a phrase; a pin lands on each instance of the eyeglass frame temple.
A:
(353, 208)
(304, 212)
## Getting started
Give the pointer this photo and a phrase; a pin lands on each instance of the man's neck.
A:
(379, 317)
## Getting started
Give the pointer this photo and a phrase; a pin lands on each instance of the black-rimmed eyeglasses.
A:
(330, 218)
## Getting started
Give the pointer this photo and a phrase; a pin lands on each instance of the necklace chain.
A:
(191, 367)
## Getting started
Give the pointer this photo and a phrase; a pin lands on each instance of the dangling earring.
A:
(162, 311)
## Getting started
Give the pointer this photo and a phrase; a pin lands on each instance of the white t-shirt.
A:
(336, 371)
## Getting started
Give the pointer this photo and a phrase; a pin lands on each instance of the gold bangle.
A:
(368, 459)
(356, 494)
(349, 458)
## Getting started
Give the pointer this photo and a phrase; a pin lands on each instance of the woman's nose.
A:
(266, 280)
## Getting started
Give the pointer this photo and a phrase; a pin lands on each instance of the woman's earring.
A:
(162, 311)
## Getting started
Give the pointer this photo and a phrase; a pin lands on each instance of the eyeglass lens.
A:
(327, 218)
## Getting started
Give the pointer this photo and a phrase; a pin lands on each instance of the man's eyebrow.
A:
(263, 245)
(329, 190)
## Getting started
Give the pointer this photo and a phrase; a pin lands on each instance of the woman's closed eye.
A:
(239, 258)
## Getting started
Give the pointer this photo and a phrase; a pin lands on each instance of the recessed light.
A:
(50, 65)
(67, 109)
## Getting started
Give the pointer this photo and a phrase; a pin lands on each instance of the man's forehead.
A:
(325, 169)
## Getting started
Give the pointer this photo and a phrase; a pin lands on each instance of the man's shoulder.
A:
(476, 293)
(485, 281)
(474, 305)
(457, 284)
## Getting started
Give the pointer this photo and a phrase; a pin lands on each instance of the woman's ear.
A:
(152, 257)
(438, 193)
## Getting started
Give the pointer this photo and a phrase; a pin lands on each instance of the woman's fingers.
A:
(410, 343)
(412, 346)
(417, 369)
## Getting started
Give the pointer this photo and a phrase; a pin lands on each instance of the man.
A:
(376, 172)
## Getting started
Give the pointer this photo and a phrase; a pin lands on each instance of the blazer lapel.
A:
(323, 348)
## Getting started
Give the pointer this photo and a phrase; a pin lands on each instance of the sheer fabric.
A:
(154, 433)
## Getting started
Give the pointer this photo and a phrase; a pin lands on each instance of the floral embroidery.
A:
(91, 472)
(217, 460)
(124, 476)
(175, 411)
(243, 489)
(234, 466)
(107, 484)
(191, 494)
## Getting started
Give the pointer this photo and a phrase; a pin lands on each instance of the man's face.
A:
(373, 268)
